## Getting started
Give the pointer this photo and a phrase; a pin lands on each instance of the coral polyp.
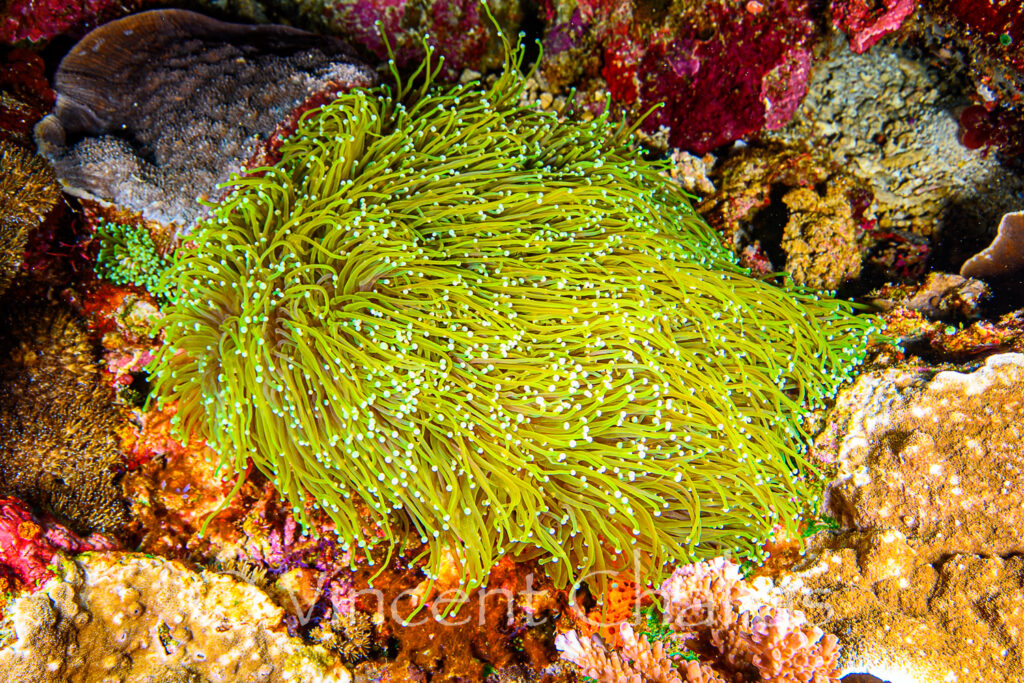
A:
(128, 256)
(506, 332)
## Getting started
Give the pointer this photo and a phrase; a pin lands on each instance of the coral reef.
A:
(25, 95)
(350, 635)
(942, 296)
(638, 661)
(28, 191)
(491, 630)
(139, 619)
(35, 20)
(445, 379)
(905, 615)
(461, 32)
(937, 341)
(821, 238)
(328, 591)
(934, 455)
(885, 117)
(994, 30)
(490, 324)
(923, 580)
(156, 109)
(59, 442)
(788, 209)
(176, 488)
(716, 614)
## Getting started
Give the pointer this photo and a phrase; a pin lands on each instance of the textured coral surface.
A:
(134, 618)
(158, 108)
(936, 456)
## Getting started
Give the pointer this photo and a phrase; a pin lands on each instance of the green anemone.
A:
(502, 331)
(128, 256)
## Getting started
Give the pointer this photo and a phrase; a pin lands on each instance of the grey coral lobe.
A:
(155, 110)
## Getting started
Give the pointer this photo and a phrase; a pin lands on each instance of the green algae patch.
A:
(500, 331)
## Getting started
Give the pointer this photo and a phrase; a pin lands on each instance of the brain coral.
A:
(506, 332)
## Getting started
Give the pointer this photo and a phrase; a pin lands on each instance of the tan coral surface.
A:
(906, 620)
(937, 457)
(926, 582)
(136, 619)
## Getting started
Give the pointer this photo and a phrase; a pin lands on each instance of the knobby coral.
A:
(506, 331)
(135, 618)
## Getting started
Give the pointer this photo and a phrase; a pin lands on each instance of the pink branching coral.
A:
(715, 613)
(637, 662)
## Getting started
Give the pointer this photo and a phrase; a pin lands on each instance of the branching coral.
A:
(711, 609)
(59, 447)
(508, 331)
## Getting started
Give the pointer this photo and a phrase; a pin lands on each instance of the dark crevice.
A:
(768, 225)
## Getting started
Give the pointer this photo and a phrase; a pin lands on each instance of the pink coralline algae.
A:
(722, 72)
(35, 20)
(28, 545)
(459, 30)
(868, 21)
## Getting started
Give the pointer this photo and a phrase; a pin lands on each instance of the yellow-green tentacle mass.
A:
(506, 332)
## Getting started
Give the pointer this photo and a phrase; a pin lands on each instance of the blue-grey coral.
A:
(506, 330)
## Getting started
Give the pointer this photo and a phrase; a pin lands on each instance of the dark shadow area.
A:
(768, 224)
(532, 28)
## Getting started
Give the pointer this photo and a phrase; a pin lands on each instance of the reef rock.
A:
(155, 110)
(137, 619)
(719, 70)
(820, 238)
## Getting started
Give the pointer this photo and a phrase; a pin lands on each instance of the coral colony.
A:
(449, 313)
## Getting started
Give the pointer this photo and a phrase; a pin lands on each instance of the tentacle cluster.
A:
(508, 331)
